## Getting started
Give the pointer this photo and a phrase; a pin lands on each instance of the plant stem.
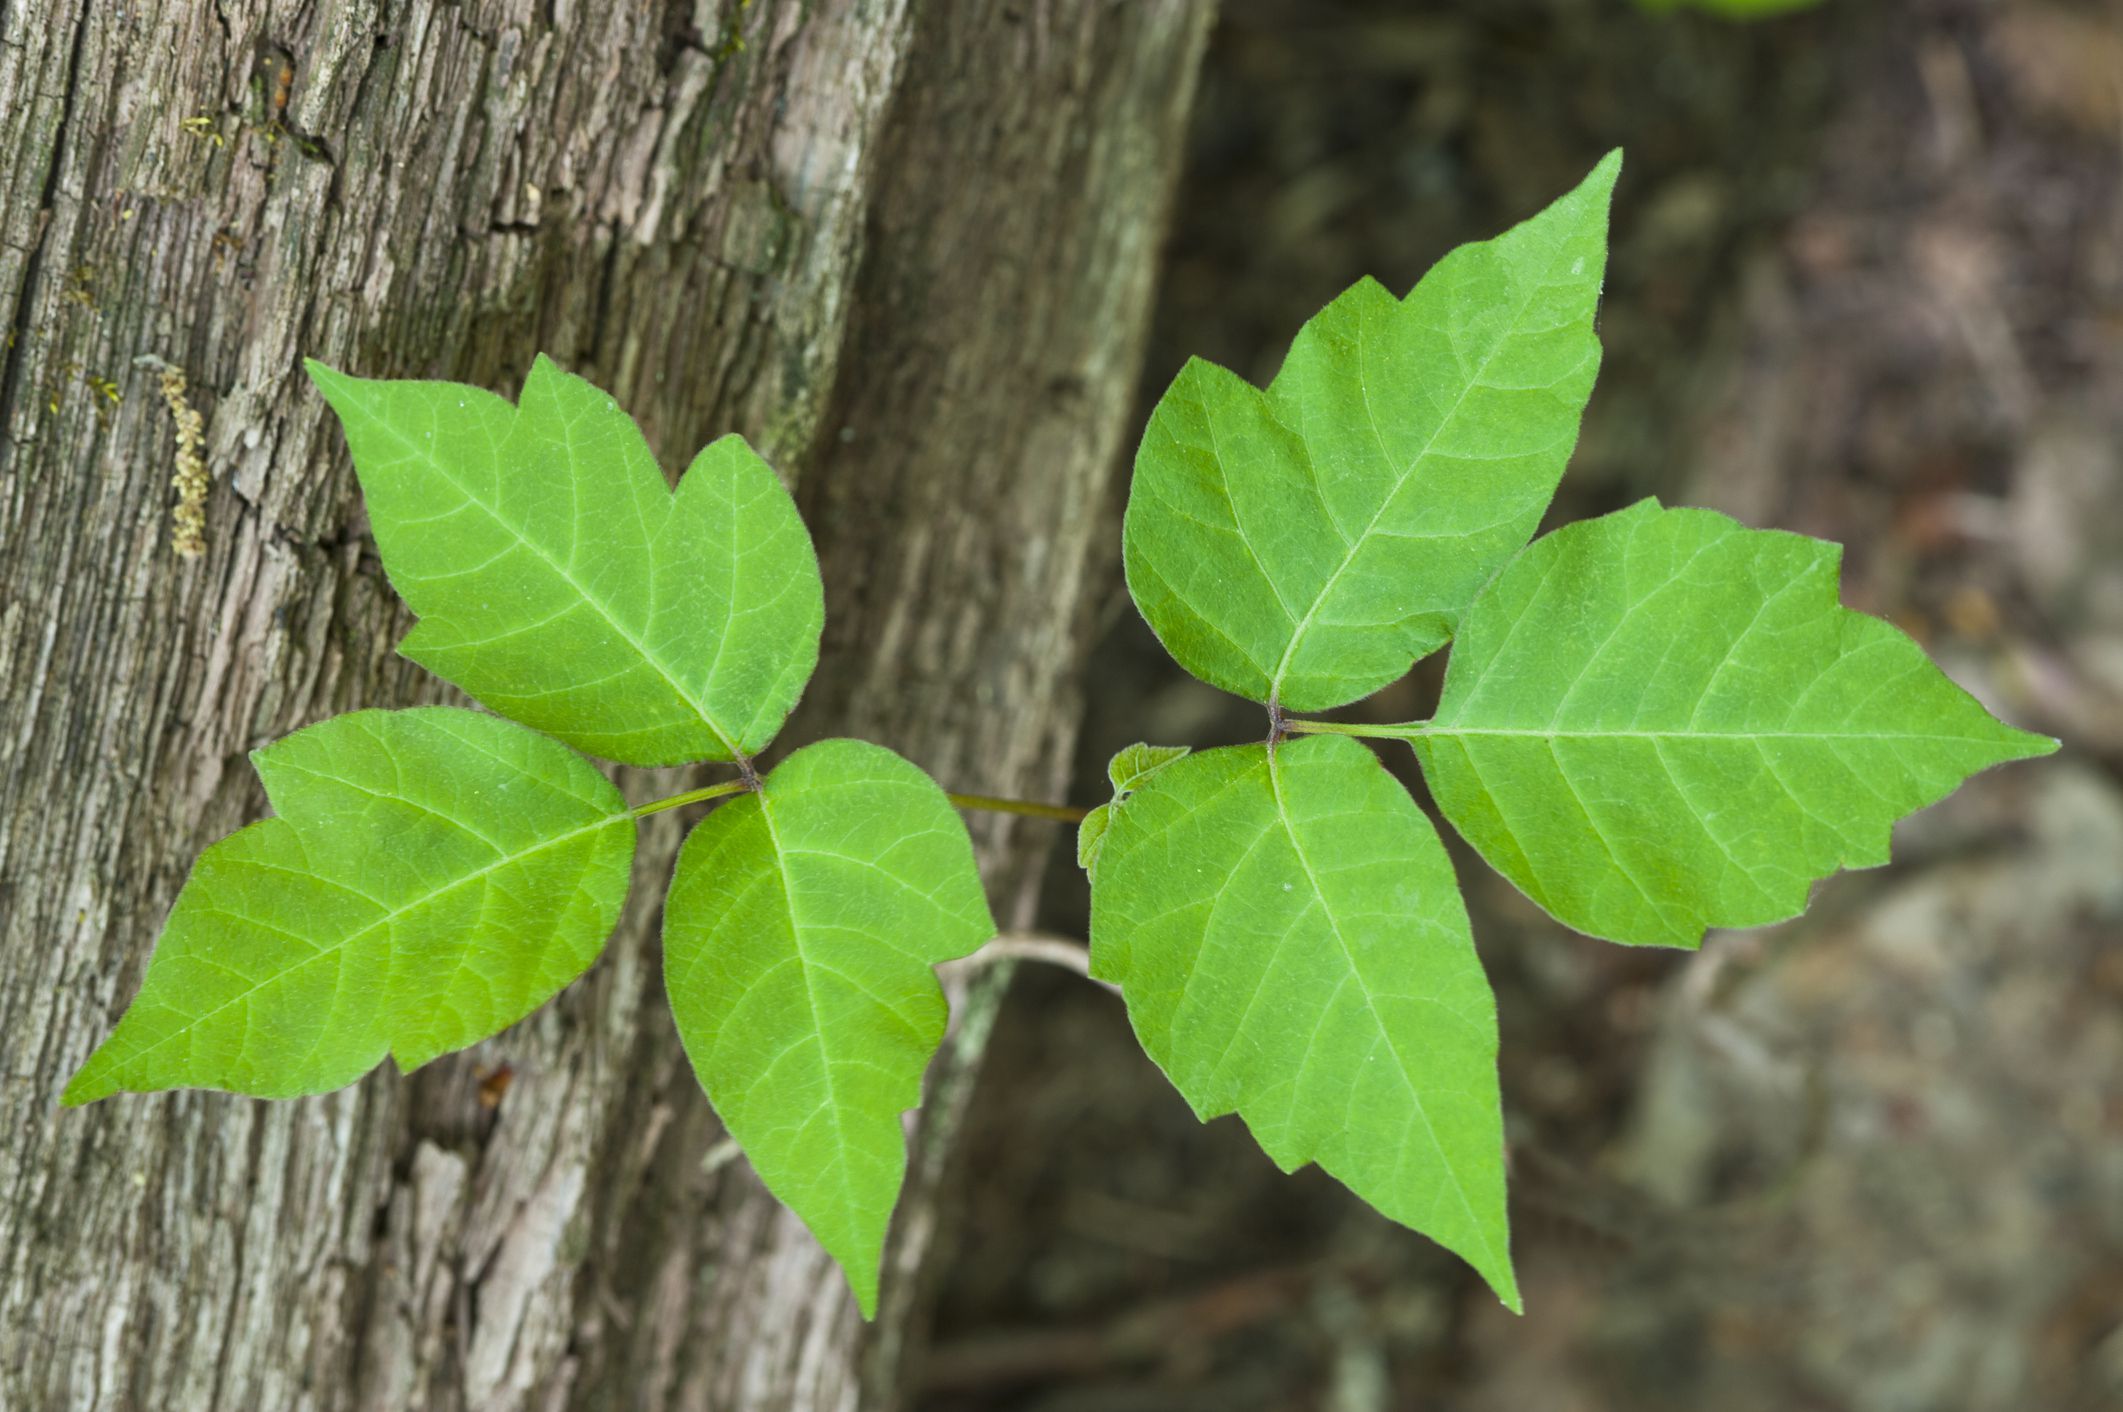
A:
(692, 796)
(1065, 952)
(1404, 730)
(1067, 813)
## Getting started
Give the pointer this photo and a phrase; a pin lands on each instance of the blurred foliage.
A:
(1732, 9)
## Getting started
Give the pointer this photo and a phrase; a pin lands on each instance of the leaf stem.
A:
(1402, 730)
(1067, 813)
(693, 796)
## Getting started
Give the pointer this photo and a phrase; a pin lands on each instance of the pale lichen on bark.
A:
(192, 478)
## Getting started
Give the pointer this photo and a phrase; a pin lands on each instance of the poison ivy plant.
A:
(1653, 723)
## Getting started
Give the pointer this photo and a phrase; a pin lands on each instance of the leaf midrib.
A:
(1415, 1097)
(818, 1029)
(1530, 733)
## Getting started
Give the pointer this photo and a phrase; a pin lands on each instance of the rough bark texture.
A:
(905, 246)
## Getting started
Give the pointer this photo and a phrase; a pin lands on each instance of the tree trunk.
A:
(903, 245)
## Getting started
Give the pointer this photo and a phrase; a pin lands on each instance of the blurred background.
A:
(1867, 283)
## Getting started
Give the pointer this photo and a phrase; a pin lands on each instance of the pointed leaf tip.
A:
(324, 377)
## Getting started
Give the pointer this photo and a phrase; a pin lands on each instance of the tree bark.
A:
(905, 246)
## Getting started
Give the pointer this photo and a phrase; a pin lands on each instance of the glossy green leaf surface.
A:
(799, 937)
(432, 877)
(1660, 721)
(1291, 944)
(1126, 770)
(1138, 762)
(562, 582)
(1307, 543)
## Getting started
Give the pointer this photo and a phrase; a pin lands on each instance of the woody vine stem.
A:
(1279, 726)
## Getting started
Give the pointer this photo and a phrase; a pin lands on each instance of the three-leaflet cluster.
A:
(1653, 723)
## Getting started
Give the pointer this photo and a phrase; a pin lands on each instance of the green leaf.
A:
(1290, 940)
(1306, 544)
(1129, 768)
(1138, 762)
(1091, 837)
(798, 940)
(560, 581)
(433, 876)
(1660, 721)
